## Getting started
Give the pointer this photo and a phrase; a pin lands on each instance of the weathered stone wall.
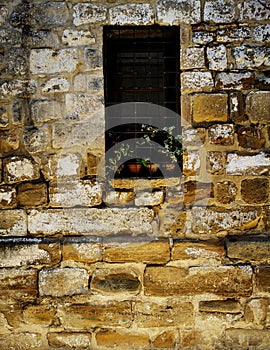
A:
(176, 264)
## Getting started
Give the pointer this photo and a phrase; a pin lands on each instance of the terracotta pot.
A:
(134, 168)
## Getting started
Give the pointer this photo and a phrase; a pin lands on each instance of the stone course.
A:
(88, 262)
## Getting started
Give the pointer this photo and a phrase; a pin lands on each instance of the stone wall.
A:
(175, 263)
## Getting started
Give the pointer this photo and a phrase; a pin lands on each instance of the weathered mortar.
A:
(176, 263)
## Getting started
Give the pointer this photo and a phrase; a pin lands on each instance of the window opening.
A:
(141, 64)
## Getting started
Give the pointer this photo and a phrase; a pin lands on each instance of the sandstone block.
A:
(83, 251)
(191, 163)
(194, 192)
(238, 338)
(261, 33)
(165, 340)
(90, 221)
(254, 10)
(229, 306)
(4, 118)
(259, 192)
(85, 13)
(41, 315)
(45, 110)
(192, 57)
(258, 106)
(37, 140)
(17, 169)
(75, 193)
(248, 249)
(55, 85)
(228, 281)
(225, 192)
(73, 37)
(8, 197)
(122, 340)
(42, 38)
(222, 134)
(196, 82)
(216, 162)
(10, 37)
(62, 167)
(237, 110)
(135, 14)
(59, 282)
(174, 12)
(51, 14)
(149, 199)
(47, 61)
(18, 284)
(217, 57)
(130, 250)
(22, 341)
(119, 198)
(228, 35)
(3, 14)
(251, 137)
(32, 194)
(251, 57)
(115, 280)
(202, 37)
(16, 255)
(213, 220)
(262, 279)
(13, 223)
(17, 61)
(210, 108)
(219, 11)
(236, 81)
(102, 314)
(79, 341)
(258, 164)
(164, 313)
(82, 105)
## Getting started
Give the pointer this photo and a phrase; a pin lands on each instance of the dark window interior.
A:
(141, 64)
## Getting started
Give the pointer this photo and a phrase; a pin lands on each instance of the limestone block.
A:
(130, 250)
(13, 223)
(17, 61)
(18, 284)
(42, 38)
(258, 106)
(74, 193)
(217, 57)
(90, 221)
(259, 193)
(51, 14)
(22, 341)
(41, 315)
(115, 280)
(221, 134)
(122, 340)
(8, 197)
(213, 220)
(228, 281)
(29, 254)
(225, 192)
(73, 37)
(220, 11)
(93, 59)
(251, 57)
(47, 61)
(248, 249)
(192, 57)
(55, 85)
(262, 33)
(32, 194)
(45, 110)
(241, 339)
(179, 11)
(17, 169)
(196, 82)
(149, 198)
(83, 251)
(85, 13)
(17, 87)
(83, 105)
(62, 167)
(228, 35)
(210, 108)
(216, 162)
(58, 282)
(10, 37)
(10, 141)
(236, 81)
(37, 139)
(79, 341)
(191, 163)
(119, 198)
(254, 10)
(96, 314)
(202, 37)
(262, 279)
(258, 164)
(135, 14)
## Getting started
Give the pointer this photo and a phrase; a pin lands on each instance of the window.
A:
(141, 66)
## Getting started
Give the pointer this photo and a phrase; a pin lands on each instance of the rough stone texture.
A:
(13, 223)
(32, 194)
(90, 221)
(39, 314)
(180, 11)
(22, 341)
(196, 82)
(262, 279)
(258, 106)
(149, 199)
(220, 11)
(236, 81)
(132, 14)
(79, 341)
(248, 250)
(192, 57)
(85, 13)
(226, 280)
(255, 190)
(258, 164)
(83, 251)
(59, 282)
(226, 192)
(118, 339)
(7, 197)
(45, 110)
(251, 57)
(72, 37)
(217, 57)
(251, 137)
(17, 169)
(222, 134)
(210, 108)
